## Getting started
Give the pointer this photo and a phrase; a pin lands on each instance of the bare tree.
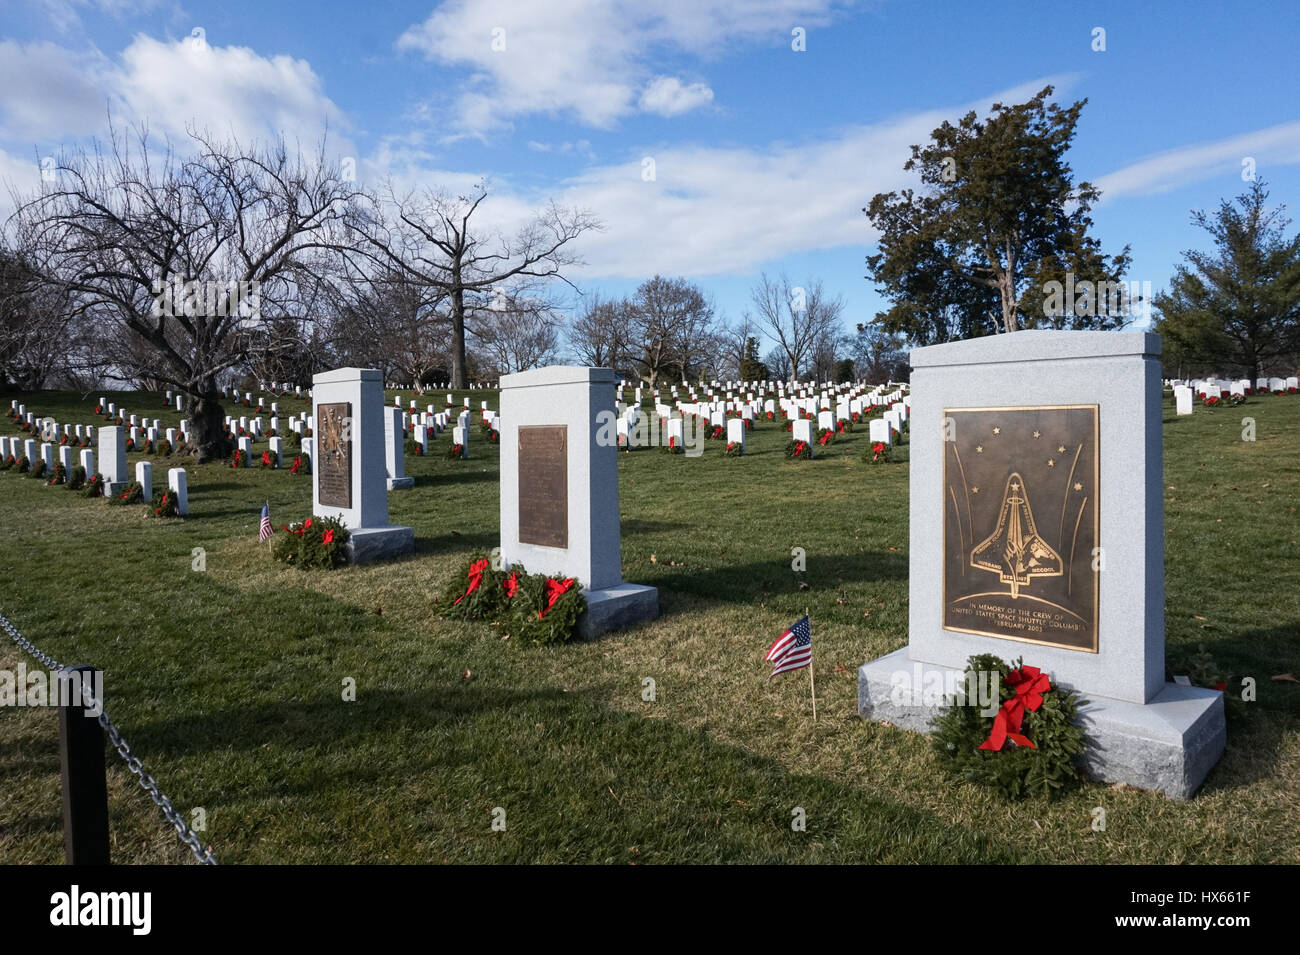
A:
(391, 322)
(667, 317)
(599, 335)
(796, 318)
(432, 238)
(517, 333)
(40, 339)
(232, 230)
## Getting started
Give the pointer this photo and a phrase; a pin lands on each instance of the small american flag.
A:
(265, 532)
(792, 650)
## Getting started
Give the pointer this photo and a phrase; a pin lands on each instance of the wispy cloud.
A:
(1276, 145)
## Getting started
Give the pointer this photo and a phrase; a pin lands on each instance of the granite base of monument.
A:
(400, 483)
(379, 543)
(1168, 744)
(613, 608)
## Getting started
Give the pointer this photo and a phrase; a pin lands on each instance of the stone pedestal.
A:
(1037, 531)
(559, 489)
(348, 472)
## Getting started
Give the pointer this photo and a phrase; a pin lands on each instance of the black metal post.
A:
(81, 759)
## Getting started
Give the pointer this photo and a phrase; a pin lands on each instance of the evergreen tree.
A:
(1239, 304)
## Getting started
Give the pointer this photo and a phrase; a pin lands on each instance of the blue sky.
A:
(763, 156)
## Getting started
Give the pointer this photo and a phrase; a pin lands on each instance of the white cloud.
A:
(53, 97)
(228, 90)
(718, 211)
(46, 89)
(1276, 145)
(586, 59)
(668, 97)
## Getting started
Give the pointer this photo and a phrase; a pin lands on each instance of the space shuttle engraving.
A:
(1015, 551)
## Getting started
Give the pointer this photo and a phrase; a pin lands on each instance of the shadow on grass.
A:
(456, 541)
(743, 583)
(1256, 730)
(582, 782)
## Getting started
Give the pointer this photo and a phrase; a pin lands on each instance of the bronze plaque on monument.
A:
(1020, 523)
(333, 464)
(544, 485)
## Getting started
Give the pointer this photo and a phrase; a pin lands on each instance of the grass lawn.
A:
(228, 681)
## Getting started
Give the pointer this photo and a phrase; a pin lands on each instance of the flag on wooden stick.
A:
(792, 650)
(264, 533)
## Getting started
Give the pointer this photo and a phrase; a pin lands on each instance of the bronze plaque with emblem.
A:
(544, 485)
(333, 464)
(1020, 526)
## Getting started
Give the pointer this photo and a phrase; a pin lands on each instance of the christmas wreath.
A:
(267, 461)
(60, 475)
(825, 436)
(411, 446)
(876, 453)
(238, 460)
(798, 451)
(455, 452)
(1029, 746)
(37, 469)
(672, 447)
(133, 494)
(164, 504)
(297, 466)
(734, 449)
(318, 543)
(95, 485)
(529, 608)
(76, 478)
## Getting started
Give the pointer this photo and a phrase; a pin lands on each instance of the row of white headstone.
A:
(112, 463)
(848, 399)
(1185, 392)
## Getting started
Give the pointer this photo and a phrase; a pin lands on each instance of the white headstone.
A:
(144, 477)
(395, 451)
(112, 459)
(176, 484)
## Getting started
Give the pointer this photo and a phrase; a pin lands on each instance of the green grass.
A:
(228, 681)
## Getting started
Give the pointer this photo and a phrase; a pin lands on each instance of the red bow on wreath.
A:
(475, 578)
(511, 584)
(555, 589)
(1030, 684)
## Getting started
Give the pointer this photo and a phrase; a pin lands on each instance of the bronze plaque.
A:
(333, 466)
(544, 485)
(1020, 523)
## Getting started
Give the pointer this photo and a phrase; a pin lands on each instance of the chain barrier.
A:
(147, 782)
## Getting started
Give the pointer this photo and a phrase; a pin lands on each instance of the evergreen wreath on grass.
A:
(529, 608)
(37, 469)
(734, 449)
(455, 453)
(76, 478)
(1029, 748)
(876, 452)
(672, 447)
(318, 543)
(60, 475)
(164, 504)
(134, 494)
(798, 451)
(825, 436)
(95, 485)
